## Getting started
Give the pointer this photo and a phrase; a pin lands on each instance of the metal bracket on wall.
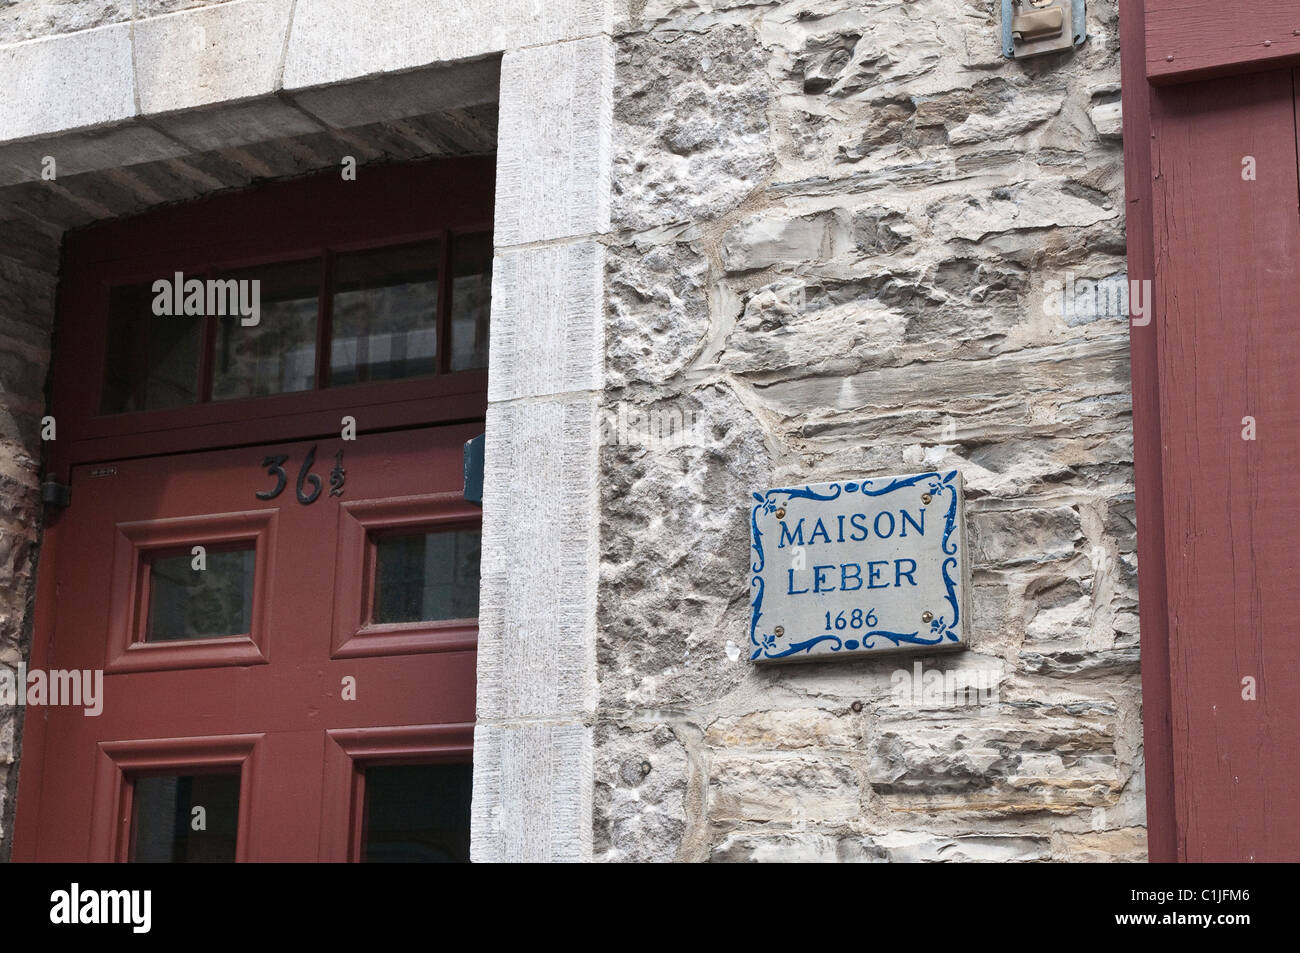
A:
(1035, 27)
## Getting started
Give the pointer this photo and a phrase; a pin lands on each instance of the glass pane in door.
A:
(427, 577)
(185, 818)
(417, 813)
(277, 355)
(186, 602)
(385, 314)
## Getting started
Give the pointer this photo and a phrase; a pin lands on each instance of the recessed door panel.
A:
(201, 590)
(1227, 192)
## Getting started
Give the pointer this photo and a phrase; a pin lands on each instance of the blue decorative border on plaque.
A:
(941, 629)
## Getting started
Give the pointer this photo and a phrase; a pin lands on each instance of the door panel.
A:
(282, 685)
(1227, 260)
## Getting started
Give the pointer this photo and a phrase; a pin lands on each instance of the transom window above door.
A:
(259, 316)
(343, 317)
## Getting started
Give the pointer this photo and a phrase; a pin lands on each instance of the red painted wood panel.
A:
(178, 704)
(1157, 731)
(1227, 259)
(290, 697)
(1191, 39)
(297, 219)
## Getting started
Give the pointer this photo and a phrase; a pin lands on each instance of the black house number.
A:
(309, 484)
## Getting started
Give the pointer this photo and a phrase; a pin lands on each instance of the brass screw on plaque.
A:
(927, 616)
(925, 498)
(780, 630)
(780, 514)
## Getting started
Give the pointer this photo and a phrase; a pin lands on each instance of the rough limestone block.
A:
(782, 240)
(532, 793)
(210, 55)
(784, 788)
(641, 777)
(27, 299)
(7, 747)
(1040, 204)
(537, 611)
(791, 729)
(547, 328)
(337, 40)
(66, 82)
(32, 19)
(1108, 119)
(156, 8)
(759, 846)
(693, 136)
(676, 548)
(657, 313)
(553, 164)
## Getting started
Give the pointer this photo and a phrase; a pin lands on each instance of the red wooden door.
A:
(1214, 222)
(314, 688)
(303, 684)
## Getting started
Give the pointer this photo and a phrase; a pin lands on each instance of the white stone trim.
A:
(557, 107)
(541, 778)
(339, 40)
(541, 520)
(548, 321)
(208, 55)
(67, 82)
(245, 49)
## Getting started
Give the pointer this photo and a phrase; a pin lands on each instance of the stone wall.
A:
(837, 221)
(26, 304)
(833, 227)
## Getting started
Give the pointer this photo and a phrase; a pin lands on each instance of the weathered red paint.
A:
(1148, 466)
(1200, 39)
(1229, 350)
(288, 696)
(1217, 521)
(269, 704)
(346, 749)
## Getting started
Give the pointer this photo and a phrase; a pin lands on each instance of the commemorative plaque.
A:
(858, 567)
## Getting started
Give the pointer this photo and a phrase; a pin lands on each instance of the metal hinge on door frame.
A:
(54, 493)
(474, 469)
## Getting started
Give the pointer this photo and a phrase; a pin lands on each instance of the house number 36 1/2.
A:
(309, 485)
